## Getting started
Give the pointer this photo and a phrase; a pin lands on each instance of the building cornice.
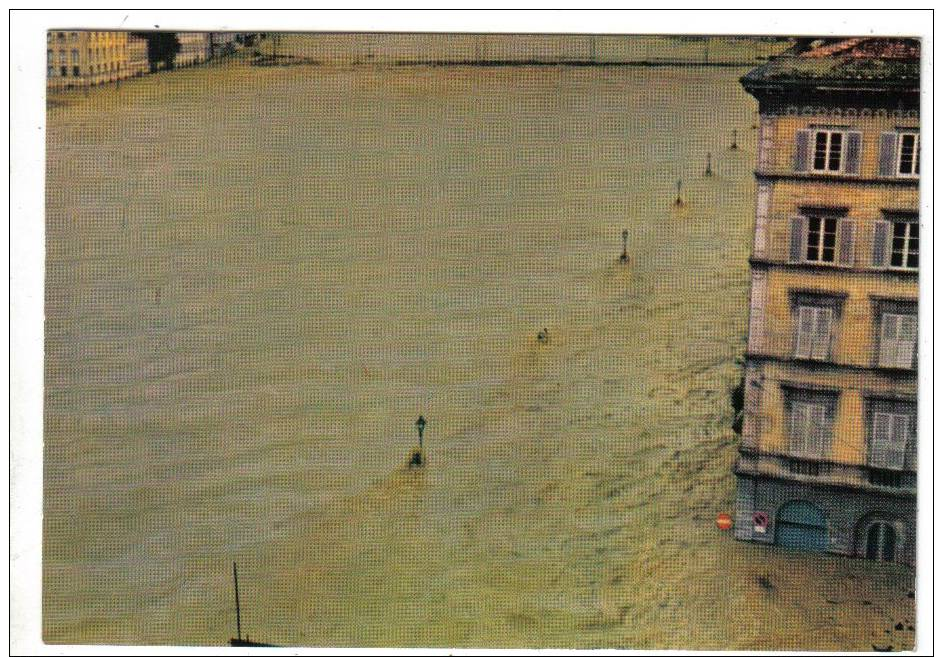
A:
(913, 275)
(899, 374)
(838, 179)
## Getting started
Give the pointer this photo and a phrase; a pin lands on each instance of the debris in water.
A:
(543, 336)
(764, 582)
(899, 627)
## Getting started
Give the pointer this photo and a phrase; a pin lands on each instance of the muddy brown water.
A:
(257, 278)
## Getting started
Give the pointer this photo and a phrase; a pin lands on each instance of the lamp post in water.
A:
(420, 426)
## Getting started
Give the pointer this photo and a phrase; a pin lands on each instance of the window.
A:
(51, 71)
(905, 243)
(813, 317)
(60, 35)
(63, 71)
(908, 154)
(820, 239)
(881, 542)
(898, 340)
(75, 56)
(807, 468)
(49, 57)
(827, 155)
(893, 435)
(75, 71)
(810, 420)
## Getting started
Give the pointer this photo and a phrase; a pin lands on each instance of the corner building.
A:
(827, 460)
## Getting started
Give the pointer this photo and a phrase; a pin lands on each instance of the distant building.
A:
(83, 58)
(828, 454)
(138, 63)
(194, 48)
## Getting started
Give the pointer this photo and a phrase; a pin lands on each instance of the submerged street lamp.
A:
(420, 426)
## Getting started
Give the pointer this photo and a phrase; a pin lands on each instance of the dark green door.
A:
(802, 526)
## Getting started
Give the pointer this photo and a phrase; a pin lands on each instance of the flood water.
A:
(257, 279)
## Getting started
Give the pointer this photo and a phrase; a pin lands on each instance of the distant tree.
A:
(162, 48)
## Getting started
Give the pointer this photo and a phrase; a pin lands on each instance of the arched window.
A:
(881, 542)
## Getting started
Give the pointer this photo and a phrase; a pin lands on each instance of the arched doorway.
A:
(801, 525)
(881, 542)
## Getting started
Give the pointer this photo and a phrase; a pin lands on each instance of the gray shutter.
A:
(887, 348)
(826, 420)
(766, 140)
(764, 191)
(906, 341)
(797, 239)
(846, 242)
(805, 330)
(803, 140)
(887, 156)
(853, 153)
(900, 430)
(756, 336)
(880, 440)
(879, 253)
(822, 333)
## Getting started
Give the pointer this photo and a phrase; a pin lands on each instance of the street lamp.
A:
(420, 426)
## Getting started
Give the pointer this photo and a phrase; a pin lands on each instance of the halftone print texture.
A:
(262, 268)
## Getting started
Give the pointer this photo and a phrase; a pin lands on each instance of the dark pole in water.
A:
(420, 425)
(625, 245)
(235, 579)
(733, 145)
(708, 171)
(678, 200)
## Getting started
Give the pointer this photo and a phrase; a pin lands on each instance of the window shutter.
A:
(887, 156)
(796, 429)
(805, 327)
(803, 139)
(888, 346)
(879, 253)
(797, 239)
(763, 193)
(766, 140)
(853, 153)
(906, 340)
(826, 415)
(822, 333)
(900, 429)
(880, 440)
(756, 337)
(846, 242)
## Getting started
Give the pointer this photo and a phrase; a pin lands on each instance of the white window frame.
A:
(820, 247)
(889, 441)
(828, 150)
(900, 153)
(895, 351)
(906, 252)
